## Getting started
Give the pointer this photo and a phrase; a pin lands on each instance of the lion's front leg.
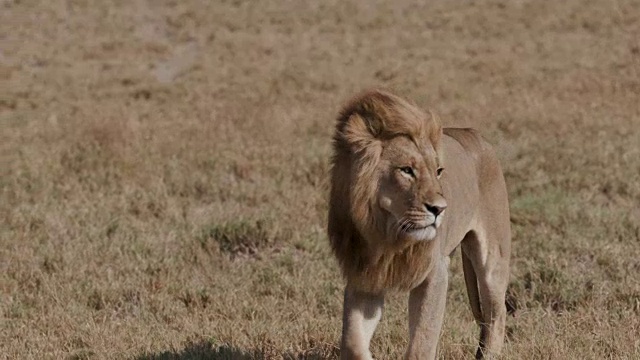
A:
(426, 313)
(362, 312)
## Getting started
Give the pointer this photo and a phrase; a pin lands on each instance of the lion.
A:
(405, 193)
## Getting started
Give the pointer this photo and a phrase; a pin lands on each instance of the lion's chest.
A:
(398, 271)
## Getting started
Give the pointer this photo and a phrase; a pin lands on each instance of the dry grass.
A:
(164, 170)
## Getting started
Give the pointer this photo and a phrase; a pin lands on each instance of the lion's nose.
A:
(436, 208)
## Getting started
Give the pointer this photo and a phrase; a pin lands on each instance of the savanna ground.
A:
(164, 170)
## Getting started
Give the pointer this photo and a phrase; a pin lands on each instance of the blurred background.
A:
(163, 178)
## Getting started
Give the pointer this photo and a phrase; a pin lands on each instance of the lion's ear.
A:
(362, 130)
(369, 111)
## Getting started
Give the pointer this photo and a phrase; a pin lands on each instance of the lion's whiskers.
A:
(403, 225)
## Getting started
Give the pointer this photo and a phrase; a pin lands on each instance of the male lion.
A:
(404, 194)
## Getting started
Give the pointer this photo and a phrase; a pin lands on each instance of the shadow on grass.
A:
(206, 350)
(203, 350)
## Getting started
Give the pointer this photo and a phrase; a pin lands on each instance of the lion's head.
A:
(385, 191)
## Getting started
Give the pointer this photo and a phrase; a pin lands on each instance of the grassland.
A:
(163, 188)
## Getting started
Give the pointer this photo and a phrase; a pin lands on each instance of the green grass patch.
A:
(237, 238)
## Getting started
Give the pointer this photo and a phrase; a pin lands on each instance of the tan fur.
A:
(393, 222)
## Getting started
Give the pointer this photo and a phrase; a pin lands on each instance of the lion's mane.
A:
(363, 126)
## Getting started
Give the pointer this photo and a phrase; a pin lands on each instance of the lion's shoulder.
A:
(482, 154)
(473, 143)
(469, 138)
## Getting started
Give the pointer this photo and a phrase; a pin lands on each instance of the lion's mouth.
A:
(422, 233)
(423, 229)
(418, 228)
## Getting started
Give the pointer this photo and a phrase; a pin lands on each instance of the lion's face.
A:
(385, 186)
(409, 197)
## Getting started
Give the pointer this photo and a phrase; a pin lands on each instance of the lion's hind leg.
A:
(486, 263)
(471, 282)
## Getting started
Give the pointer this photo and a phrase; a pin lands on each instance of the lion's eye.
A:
(439, 171)
(408, 170)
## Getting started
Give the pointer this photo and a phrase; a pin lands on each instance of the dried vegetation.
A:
(164, 170)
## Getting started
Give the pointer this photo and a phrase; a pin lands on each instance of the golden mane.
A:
(363, 126)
